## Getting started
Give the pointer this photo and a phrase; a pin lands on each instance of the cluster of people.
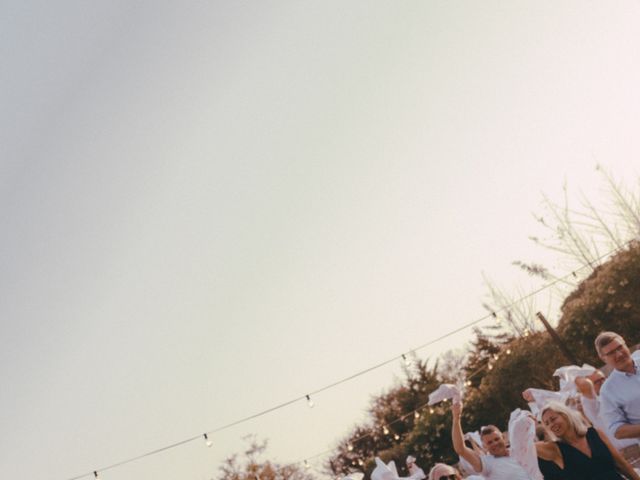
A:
(595, 436)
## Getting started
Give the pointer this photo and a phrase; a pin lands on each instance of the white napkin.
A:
(569, 373)
(522, 434)
(445, 392)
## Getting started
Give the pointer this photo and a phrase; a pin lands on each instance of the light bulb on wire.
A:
(405, 360)
(310, 402)
(385, 430)
(416, 414)
(95, 475)
(350, 447)
(207, 440)
(306, 465)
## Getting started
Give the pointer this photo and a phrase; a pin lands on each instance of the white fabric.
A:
(620, 397)
(354, 476)
(390, 472)
(569, 373)
(416, 473)
(522, 434)
(445, 392)
(466, 466)
(475, 436)
(502, 468)
(542, 397)
(384, 472)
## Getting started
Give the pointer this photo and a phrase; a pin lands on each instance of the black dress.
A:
(551, 471)
(578, 466)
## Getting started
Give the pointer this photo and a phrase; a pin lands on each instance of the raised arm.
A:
(458, 440)
(585, 387)
(621, 462)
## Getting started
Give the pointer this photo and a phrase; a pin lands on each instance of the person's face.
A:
(555, 422)
(494, 444)
(597, 378)
(616, 354)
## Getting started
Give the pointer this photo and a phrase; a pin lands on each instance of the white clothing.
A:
(569, 374)
(522, 434)
(591, 408)
(620, 397)
(502, 468)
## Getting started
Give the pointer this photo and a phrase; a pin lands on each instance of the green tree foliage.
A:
(607, 300)
(393, 431)
(252, 467)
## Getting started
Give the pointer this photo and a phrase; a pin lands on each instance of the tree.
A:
(251, 467)
(606, 300)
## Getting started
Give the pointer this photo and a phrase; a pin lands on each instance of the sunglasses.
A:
(448, 477)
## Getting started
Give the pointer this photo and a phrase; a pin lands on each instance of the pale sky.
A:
(210, 208)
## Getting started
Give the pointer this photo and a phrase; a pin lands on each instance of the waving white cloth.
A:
(522, 433)
(415, 472)
(384, 472)
(475, 436)
(389, 472)
(542, 397)
(569, 373)
(354, 476)
(445, 392)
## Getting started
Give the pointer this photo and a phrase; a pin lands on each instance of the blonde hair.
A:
(573, 418)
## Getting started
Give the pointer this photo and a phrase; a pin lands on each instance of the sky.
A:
(211, 208)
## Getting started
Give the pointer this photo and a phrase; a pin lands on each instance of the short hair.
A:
(605, 338)
(488, 430)
(573, 418)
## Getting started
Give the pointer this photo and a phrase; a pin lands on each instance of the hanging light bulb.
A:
(496, 356)
(310, 402)
(306, 465)
(95, 474)
(406, 360)
(360, 462)
(508, 351)
(350, 447)
(396, 436)
(416, 414)
(526, 332)
(385, 430)
(431, 410)
(490, 367)
(207, 440)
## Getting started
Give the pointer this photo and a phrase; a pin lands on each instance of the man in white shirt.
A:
(497, 464)
(620, 393)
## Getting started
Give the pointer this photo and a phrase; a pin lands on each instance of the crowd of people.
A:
(589, 430)
(595, 435)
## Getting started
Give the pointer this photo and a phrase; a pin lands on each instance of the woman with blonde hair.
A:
(581, 451)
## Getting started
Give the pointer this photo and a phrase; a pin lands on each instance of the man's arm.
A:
(458, 440)
(615, 418)
(627, 431)
(585, 387)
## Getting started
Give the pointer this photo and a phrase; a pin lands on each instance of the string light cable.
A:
(307, 397)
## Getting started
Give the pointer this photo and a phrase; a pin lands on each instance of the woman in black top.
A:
(581, 453)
